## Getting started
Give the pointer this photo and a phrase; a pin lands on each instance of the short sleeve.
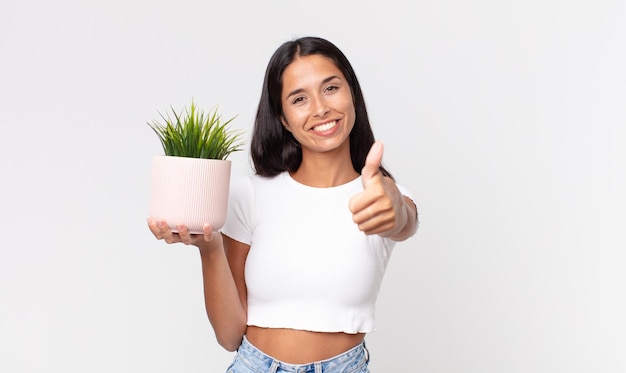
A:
(238, 225)
(405, 192)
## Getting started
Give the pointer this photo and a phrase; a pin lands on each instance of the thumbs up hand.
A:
(380, 208)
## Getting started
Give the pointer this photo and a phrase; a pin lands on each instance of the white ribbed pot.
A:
(190, 191)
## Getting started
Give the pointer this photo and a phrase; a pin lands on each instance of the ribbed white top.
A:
(309, 266)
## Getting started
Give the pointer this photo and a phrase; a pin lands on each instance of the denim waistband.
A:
(353, 360)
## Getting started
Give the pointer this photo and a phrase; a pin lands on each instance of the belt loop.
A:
(274, 366)
(318, 367)
(367, 352)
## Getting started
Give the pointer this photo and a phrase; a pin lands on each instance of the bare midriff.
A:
(301, 346)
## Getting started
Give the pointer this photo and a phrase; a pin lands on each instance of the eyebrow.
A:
(300, 90)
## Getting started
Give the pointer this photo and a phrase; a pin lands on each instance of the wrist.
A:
(210, 249)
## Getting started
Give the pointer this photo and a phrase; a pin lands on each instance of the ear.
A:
(284, 122)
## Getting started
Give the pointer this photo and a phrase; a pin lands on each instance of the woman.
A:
(291, 280)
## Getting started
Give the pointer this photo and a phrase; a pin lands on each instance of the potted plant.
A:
(190, 182)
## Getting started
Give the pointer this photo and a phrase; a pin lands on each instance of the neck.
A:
(325, 170)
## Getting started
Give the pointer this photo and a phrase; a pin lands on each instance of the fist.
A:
(380, 207)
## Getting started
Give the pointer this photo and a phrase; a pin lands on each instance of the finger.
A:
(363, 215)
(165, 233)
(376, 223)
(208, 232)
(365, 210)
(371, 228)
(372, 194)
(153, 227)
(372, 163)
(157, 227)
(184, 234)
(364, 199)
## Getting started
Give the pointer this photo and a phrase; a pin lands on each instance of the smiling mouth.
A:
(325, 126)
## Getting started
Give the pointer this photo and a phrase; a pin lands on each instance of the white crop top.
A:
(309, 266)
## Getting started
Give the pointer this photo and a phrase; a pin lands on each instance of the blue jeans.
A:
(250, 359)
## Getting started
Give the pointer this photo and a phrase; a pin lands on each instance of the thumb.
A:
(372, 162)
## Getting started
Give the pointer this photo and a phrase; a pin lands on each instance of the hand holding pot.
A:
(208, 240)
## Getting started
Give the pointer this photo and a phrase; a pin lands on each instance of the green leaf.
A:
(196, 134)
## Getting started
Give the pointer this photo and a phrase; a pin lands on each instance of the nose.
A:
(320, 107)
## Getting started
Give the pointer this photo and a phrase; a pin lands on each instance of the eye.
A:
(297, 100)
(331, 88)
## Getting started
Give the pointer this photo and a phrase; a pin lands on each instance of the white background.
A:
(505, 118)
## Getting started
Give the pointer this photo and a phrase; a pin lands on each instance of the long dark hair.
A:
(273, 148)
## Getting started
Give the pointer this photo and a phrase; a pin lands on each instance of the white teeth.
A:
(325, 127)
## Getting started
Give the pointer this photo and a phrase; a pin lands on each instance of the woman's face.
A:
(317, 104)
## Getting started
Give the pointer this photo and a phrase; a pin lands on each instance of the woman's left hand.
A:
(380, 208)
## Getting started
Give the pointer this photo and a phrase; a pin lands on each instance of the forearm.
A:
(223, 304)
